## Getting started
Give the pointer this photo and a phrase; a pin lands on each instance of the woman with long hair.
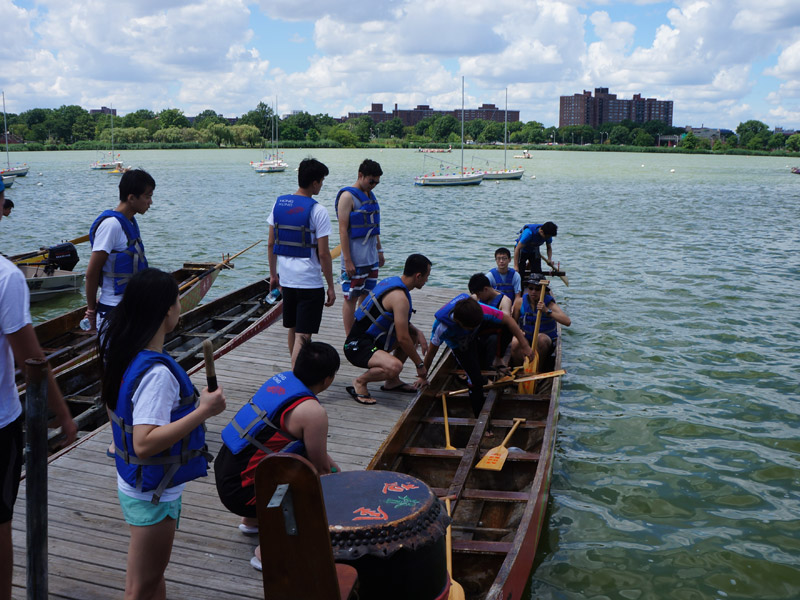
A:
(157, 421)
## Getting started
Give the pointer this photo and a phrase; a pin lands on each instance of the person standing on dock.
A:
(382, 337)
(117, 248)
(284, 415)
(299, 255)
(359, 235)
(17, 342)
(527, 252)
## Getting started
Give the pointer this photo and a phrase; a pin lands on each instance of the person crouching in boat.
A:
(157, 423)
(382, 337)
(456, 324)
(524, 313)
(284, 415)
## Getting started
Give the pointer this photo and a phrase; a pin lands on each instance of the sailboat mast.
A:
(462, 125)
(5, 129)
(505, 133)
(111, 115)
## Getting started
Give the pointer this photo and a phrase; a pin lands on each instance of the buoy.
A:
(533, 176)
(39, 173)
(497, 183)
(642, 166)
(39, 183)
(672, 170)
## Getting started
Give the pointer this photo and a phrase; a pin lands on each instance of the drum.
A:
(391, 528)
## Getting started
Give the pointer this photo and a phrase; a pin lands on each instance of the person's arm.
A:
(505, 305)
(518, 333)
(24, 345)
(343, 214)
(274, 280)
(381, 257)
(516, 282)
(397, 303)
(326, 262)
(430, 355)
(94, 274)
(517, 250)
(516, 310)
(549, 251)
(558, 314)
(308, 421)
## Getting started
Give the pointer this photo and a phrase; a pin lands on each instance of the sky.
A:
(721, 62)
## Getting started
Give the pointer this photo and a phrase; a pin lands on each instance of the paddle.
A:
(211, 372)
(447, 445)
(495, 458)
(456, 591)
(519, 380)
(216, 267)
(552, 266)
(336, 251)
(18, 257)
(529, 388)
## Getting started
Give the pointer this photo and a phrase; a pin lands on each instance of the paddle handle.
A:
(449, 542)
(517, 421)
(446, 424)
(211, 372)
(336, 251)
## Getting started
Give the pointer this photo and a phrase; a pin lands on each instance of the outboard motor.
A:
(61, 256)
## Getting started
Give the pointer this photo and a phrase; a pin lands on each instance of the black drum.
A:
(391, 528)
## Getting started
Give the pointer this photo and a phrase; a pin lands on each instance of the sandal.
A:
(360, 398)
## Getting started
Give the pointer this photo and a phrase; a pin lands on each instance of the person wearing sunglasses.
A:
(524, 313)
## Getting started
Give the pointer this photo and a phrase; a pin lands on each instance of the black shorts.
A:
(302, 309)
(236, 497)
(11, 447)
(359, 349)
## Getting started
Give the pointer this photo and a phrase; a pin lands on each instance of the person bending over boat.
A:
(17, 342)
(524, 313)
(504, 279)
(299, 255)
(157, 423)
(117, 248)
(382, 337)
(456, 324)
(527, 252)
(284, 415)
(359, 234)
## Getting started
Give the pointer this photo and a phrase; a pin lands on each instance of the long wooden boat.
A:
(227, 322)
(498, 516)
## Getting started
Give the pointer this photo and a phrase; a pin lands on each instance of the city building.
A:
(585, 109)
(409, 117)
(103, 111)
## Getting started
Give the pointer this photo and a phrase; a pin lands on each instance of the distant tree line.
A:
(74, 126)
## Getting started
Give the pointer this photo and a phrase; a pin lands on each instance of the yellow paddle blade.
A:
(525, 369)
(494, 459)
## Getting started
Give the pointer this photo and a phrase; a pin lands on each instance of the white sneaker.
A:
(255, 563)
(247, 530)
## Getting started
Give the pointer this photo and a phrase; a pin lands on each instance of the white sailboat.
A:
(9, 171)
(505, 172)
(442, 178)
(272, 163)
(112, 163)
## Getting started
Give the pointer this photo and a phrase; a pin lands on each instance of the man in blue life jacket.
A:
(524, 313)
(527, 252)
(117, 248)
(359, 235)
(284, 415)
(482, 290)
(456, 324)
(299, 255)
(504, 279)
(382, 337)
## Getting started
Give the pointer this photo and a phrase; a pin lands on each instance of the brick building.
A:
(409, 117)
(585, 109)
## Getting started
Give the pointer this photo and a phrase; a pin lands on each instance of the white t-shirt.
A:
(14, 315)
(305, 273)
(109, 236)
(158, 394)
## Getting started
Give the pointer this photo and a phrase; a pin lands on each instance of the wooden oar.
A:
(552, 266)
(456, 591)
(216, 267)
(529, 388)
(18, 257)
(495, 458)
(447, 445)
(211, 371)
(336, 251)
(520, 380)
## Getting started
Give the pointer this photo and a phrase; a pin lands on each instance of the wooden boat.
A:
(498, 516)
(227, 322)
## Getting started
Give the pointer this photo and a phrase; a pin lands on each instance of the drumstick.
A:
(211, 373)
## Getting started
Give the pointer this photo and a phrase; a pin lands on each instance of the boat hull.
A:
(448, 180)
(504, 174)
(17, 171)
(46, 286)
(8, 180)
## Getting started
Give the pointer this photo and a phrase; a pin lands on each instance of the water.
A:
(677, 459)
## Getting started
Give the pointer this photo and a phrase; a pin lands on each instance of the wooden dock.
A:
(88, 538)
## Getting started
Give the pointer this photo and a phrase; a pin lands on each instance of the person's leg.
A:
(310, 303)
(395, 382)
(544, 347)
(6, 560)
(349, 305)
(11, 447)
(290, 316)
(148, 556)
(296, 342)
(382, 367)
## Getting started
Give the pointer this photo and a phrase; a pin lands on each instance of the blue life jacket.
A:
(365, 218)
(496, 302)
(267, 405)
(527, 319)
(531, 246)
(504, 285)
(292, 214)
(382, 327)
(455, 336)
(185, 460)
(126, 263)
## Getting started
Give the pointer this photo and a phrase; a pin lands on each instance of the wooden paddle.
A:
(529, 388)
(447, 445)
(495, 458)
(520, 380)
(552, 266)
(216, 267)
(456, 591)
(211, 371)
(336, 251)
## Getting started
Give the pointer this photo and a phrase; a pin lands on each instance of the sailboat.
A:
(272, 163)
(505, 172)
(461, 177)
(10, 173)
(112, 163)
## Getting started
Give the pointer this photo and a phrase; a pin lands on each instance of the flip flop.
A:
(247, 530)
(403, 388)
(360, 398)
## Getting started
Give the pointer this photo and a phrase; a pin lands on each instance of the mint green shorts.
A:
(142, 513)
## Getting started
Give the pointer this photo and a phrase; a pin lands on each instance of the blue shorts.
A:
(142, 513)
(364, 281)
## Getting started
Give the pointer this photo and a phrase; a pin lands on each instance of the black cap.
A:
(533, 279)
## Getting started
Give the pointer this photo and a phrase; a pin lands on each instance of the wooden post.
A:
(36, 478)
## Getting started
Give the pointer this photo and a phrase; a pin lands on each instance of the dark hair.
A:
(370, 168)
(505, 251)
(468, 312)
(416, 263)
(477, 283)
(136, 182)
(8, 203)
(309, 171)
(131, 325)
(315, 362)
(550, 229)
